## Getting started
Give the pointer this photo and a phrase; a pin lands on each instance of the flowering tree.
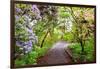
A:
(25, 19)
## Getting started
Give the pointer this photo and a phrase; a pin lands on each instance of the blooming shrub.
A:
(25, 18)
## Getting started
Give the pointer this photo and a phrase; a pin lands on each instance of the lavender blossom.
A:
(36, 11)
(26, 46)
(25, 37)
(18, 10)
(20, 43)
(17, 18)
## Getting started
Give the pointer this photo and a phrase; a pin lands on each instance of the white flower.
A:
(21, 54)
(21, 48)
(25, 47)
(26, 51)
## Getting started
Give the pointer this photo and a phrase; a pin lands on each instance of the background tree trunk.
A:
(44, 38)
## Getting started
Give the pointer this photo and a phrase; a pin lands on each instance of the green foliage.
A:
(87, 56)
(63, 13)
(90, 49)
(19, 62)
(68, 37)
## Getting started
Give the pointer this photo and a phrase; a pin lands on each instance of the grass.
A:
(31, 58)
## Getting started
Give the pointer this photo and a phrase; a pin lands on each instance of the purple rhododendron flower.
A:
(20, 43)
(29, 43)
(27, 29)
(18, 10)
(27, 46)
(17, 17)
(34, 7)
(36, 11)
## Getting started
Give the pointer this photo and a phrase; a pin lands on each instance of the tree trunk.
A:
(82, 46)
(44, 38)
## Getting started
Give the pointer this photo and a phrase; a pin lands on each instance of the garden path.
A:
(56, 55)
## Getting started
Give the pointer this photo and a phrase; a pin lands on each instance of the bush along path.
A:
(56, 55)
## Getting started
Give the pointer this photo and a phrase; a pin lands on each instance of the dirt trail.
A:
(56, 55)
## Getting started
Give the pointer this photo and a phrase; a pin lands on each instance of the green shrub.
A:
(87, 56)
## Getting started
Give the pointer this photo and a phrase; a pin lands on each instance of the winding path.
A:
(56, 55)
